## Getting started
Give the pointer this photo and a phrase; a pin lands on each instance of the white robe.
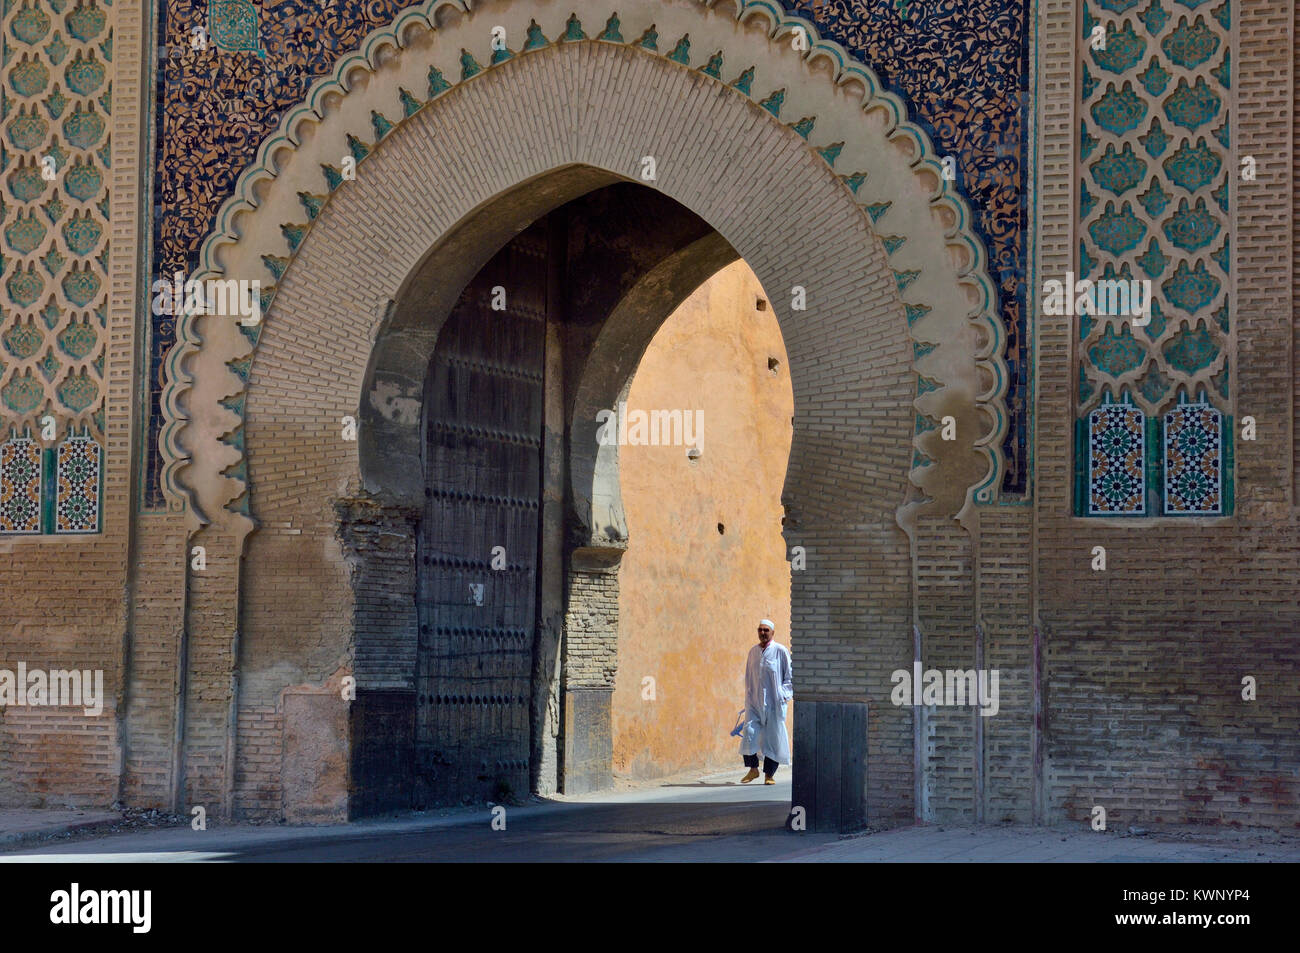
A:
(768, 685)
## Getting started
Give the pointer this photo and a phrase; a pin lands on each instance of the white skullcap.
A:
(769, 623)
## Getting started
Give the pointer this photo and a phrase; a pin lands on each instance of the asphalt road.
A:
(713, 818)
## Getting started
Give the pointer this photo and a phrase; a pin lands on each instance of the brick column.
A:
(379, 543)
(210, 659)
(590, 660)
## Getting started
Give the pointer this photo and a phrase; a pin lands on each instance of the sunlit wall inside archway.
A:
(706, 557)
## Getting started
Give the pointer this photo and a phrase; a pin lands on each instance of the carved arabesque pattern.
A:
(275, 244)
(960, 72)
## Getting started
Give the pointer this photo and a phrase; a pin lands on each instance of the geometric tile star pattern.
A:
(1155, 168)
(55, 110)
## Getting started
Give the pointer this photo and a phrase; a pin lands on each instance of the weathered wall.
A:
(1141, 665)
(690, 595)
(1144, 661)
(68, 268)
(850, 357)
(297, 611)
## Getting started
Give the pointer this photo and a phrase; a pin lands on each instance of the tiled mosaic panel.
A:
(1154, 183)
(233, 24)
(1193, 460)
(961, 64)
(1116, 461)
(78, 482)
(20, 486)
(56, 68)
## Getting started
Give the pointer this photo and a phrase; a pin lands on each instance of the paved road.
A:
(714, 818)
(17, 824)
(707, 819)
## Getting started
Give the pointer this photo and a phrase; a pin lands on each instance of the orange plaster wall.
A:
(690, 597)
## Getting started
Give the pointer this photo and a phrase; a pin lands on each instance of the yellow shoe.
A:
(750, 775)
(769, 781)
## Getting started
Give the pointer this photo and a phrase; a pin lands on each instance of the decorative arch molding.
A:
(440, 49)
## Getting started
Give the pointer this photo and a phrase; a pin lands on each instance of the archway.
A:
(895, 332)
(491, 543)
(706, 557)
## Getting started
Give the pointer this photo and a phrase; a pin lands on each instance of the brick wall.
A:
(379, 543)
(1143, 662)
(1003, 594)
(257, 768)
(157, 624)
(591, 629)
(63, 600)
(946, 614)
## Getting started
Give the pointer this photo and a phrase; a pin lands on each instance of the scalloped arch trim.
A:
(360, 129)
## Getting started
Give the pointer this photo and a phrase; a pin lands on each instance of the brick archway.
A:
(893, 328)
(410, 69)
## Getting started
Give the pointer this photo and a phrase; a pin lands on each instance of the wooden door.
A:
(478, 544)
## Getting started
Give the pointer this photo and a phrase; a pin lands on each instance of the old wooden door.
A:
(478, 544)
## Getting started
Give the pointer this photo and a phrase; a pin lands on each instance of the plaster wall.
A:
(690, 594)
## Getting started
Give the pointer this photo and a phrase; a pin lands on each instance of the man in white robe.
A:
(768, 686)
